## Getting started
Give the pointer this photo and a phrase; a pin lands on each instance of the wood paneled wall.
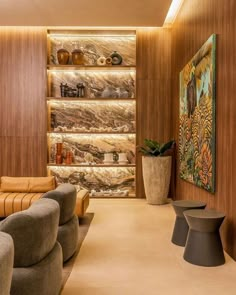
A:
(197, 20)
(153, 90)
(23, 148)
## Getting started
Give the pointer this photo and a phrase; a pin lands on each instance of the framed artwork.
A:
(197, 118)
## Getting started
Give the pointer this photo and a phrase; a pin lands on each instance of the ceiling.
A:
(134, 13)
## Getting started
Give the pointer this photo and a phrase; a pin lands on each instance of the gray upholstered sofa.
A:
(6, 262)
(68, 231)
(37, 254)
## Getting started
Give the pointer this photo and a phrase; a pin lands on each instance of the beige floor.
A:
(127, 251)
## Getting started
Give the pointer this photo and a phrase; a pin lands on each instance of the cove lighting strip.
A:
(172, 13)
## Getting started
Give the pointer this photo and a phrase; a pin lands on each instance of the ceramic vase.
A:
(156, 178)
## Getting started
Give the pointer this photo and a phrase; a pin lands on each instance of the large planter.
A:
(156, 177)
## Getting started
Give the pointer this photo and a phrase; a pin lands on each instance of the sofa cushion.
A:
(34, 231)
(15, 202)
(27, 184)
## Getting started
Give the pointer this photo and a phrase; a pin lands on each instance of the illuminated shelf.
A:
(89, 99)
(107, 83)
(90, 67)
(90, 132)
(88, 165)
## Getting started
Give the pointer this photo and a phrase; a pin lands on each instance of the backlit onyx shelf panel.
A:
(92, 116)
(92, 147)
(112, 181)
(118, 84)
(95, 46)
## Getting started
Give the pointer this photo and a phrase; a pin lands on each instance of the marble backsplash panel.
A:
(92, 116)
(95, 47)
(101, 182)
(98, 84)
(90, 148)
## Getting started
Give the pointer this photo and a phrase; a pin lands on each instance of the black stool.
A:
(203, 245)
(181, 228)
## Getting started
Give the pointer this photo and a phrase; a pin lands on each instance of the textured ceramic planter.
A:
(156, 177)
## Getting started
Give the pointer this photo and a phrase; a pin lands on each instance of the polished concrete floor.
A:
(128, 251)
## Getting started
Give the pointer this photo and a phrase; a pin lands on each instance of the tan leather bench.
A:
(18, 193)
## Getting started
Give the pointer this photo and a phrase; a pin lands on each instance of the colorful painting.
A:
(197, 118)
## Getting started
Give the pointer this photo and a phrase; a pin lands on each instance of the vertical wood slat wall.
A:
(197, 20)
(23, 147)
(153, 78)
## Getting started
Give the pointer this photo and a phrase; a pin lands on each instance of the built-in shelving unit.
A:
(101, 122)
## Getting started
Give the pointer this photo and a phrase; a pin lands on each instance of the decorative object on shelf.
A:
(63, 56)
(109, 61)
(101, 61)
(69, 157)
(123, 93)
(53, 121)
(59, 146)
(122, 158)
(71, 92)
(116, 58)
(115, 157)
(78, 56)
(156, 162)
(197, 142)
(108, 158)
(81, 90)
(64, 89)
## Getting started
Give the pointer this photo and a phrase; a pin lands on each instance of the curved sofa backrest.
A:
(6, 262)
(65, 195)
(34, 231)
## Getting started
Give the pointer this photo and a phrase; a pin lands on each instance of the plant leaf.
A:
(152, 144)
(166, 146)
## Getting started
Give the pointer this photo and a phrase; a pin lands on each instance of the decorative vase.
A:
(78, 56)
(63, 56)
(156, 178)
(116, 58)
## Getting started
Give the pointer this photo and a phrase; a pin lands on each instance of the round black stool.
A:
(203, 245)
(181, 228)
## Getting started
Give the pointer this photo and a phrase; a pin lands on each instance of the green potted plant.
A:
(156, 167)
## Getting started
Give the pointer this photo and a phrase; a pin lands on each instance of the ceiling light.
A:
(172, 13)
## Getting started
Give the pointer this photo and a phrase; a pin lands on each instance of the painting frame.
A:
(197, 118)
